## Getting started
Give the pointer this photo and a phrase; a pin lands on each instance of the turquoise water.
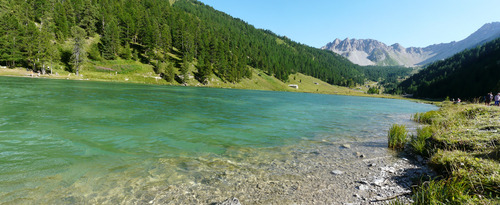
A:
(90, 140)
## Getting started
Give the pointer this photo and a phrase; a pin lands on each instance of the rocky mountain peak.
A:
(373, 52)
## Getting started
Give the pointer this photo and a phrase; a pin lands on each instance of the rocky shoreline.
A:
(369, 180)
(360, 173)
(311, 173)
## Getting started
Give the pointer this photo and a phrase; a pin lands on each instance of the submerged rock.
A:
(363, 187)
(337, 172)
(230, 201)
(378, 181)
(358, 154)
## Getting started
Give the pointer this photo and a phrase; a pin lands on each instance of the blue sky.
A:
(416, 23)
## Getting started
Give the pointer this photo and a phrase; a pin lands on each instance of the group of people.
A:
(489, 97)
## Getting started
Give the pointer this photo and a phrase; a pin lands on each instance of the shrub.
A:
(373, 90)
(397, 136)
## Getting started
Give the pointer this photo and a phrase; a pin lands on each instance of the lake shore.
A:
(259, 81)
(461, 141)
(368, 174)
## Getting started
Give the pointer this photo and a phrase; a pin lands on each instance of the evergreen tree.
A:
(89, 17)
(10, 40)
(110, 39)
(31, 44)
(126, 52)
(79, 55)
(47, 50)
(184, 70)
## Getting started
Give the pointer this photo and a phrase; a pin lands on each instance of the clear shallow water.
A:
(90, 140)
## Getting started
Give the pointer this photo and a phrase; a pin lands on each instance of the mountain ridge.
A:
(372, 52)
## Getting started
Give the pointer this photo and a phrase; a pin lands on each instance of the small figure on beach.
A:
(488, 98)
(497, 99)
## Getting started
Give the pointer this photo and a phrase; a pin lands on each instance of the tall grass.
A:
(397, 136)
(426, 118)
(448, 191)
(418, 142)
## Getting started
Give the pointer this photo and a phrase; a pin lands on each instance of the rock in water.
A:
(230, 201)
(378, 181)
(358, 154)
(363, 187)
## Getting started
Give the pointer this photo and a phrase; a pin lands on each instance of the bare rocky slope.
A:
(373, 52)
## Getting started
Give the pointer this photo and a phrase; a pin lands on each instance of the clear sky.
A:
(416, 23)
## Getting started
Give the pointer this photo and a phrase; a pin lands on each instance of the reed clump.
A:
(397, 137)
(418, 142)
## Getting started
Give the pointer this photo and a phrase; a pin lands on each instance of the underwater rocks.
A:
(337, 172)
(323, 173)
(230, 201)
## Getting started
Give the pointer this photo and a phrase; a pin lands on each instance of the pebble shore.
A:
(354, 173)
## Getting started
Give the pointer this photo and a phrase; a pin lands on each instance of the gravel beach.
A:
(325, 173)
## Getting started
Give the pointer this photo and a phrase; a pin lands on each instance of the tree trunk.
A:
(43, 69)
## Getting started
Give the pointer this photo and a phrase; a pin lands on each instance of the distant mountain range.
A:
(373, 52)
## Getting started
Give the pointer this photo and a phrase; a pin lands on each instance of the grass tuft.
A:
(418, 142)
(447, 191)
(397, 137)
(427, 117)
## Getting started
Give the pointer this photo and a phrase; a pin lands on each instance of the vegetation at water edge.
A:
(462, 143)
(397, 136)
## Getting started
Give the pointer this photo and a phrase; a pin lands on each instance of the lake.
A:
(66, 142)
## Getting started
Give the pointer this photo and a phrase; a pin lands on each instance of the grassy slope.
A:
(136, 72)
(465, 145)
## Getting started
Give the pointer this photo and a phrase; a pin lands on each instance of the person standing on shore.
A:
(497, 99)
(488, 98)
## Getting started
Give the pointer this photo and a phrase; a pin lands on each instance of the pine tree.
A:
(10, 40)
(46, 49)
(31, 44)
(79, 55)
(89, 17)
(126, 52)
(110, 39)
(184, 70)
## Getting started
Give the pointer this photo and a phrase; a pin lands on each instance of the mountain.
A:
(373, 52)
(467, 75)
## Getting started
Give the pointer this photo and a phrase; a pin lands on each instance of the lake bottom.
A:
(281, 175)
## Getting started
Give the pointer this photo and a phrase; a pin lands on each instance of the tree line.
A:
(35, 32)
(467, 75)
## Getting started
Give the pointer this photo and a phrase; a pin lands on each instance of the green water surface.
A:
(60, 137)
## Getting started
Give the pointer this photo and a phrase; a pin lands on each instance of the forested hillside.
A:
(468, 74)
(38, 34)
